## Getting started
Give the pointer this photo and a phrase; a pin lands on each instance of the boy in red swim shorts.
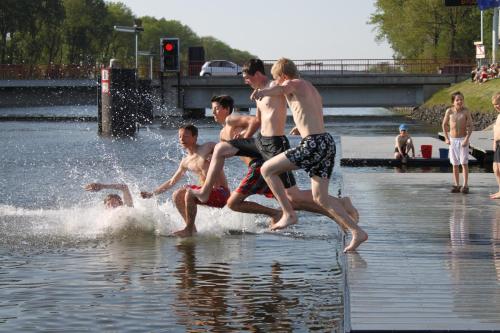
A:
(197, 160)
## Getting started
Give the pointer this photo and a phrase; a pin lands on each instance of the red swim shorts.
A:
(218, 196)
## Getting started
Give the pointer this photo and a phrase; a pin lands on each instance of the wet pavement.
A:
(433, 258)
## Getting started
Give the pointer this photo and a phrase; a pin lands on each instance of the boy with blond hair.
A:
(457, 128)
(315, 153)
(495, 100)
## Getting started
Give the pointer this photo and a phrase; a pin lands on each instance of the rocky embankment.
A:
(434, 115)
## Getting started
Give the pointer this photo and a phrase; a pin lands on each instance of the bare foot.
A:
(495, 195)
(183, 233)
(358, 237)
(199, 195)
(350, 209)
(276, 217)
(284, 222)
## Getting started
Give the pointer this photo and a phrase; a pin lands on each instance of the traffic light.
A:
(169, 54)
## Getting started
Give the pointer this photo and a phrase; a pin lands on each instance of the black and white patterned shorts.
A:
(315, 154)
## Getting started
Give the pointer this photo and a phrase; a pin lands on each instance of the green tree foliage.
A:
(427, 29)
(81, 32)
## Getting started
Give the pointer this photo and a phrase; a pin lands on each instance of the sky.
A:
(270, 29)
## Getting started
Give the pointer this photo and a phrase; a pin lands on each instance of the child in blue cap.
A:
(403, 144)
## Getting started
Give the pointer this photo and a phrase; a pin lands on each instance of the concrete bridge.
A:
(346, 90)
(357, 90)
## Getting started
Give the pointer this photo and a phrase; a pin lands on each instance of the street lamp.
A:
(136, 29)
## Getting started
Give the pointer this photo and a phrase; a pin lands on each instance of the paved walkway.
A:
(433, 258)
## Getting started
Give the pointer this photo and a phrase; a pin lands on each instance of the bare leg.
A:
(319, 188)
(456, 171)
(222, 151)
(303, 200)
(465, 174)
(178, 198)
(190, 211)
(237, 203)
(496, 170)
(271, 170)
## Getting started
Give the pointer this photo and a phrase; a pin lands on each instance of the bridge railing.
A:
(389, 66)
(306, 67)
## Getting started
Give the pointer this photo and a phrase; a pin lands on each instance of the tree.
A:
(427, 28)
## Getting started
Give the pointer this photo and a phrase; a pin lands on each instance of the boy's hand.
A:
(294, 131)
(256, 95)
(146, 195)
(93, 187)
(465, 143)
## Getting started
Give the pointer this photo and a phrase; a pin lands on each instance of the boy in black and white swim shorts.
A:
(315, 154)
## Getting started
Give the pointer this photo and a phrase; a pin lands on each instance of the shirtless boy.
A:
(495, 100)
(457, 128)
(315, 154)
(234, 126)
(197, 160)
(270, 141)
(112, 200)
(403, 144)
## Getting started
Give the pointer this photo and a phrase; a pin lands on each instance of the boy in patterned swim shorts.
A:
(315, 153)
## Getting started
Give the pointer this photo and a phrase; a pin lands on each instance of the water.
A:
(66, 262)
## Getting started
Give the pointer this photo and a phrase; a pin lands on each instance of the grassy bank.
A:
(477, 96)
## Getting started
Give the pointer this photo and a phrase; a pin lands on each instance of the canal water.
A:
(67, 263)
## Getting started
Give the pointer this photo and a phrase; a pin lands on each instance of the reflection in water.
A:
(495, 223)
(474, 266)
(210, 297)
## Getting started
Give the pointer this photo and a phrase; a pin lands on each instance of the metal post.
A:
(494, 35)
(136, 48)
(482, 27)
(151, 68)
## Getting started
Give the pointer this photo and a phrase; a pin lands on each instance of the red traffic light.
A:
(169, 47)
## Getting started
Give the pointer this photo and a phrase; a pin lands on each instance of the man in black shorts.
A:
(270, 141)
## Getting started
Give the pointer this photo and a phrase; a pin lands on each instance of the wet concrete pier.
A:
(432, 262)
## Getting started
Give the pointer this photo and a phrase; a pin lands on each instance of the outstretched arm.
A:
(287, 87)
(166, 185)
(127, 197)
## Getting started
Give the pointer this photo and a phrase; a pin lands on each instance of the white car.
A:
(220, 68)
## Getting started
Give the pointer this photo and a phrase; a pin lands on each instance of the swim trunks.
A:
(496, 155)
(315, 154)
(458, 154)
(265, 147)
(218, 196)
(254, 183)
(403, 149)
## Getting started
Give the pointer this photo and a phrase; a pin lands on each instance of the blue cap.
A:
(403, 127)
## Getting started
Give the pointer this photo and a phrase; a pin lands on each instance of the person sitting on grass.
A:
(403, 144)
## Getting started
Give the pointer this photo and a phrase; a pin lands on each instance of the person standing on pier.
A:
(315, 153)
(457, 128)
(495, 100)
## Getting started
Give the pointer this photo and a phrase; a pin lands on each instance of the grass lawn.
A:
(477, 96)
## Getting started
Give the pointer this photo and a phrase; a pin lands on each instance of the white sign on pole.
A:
(480, 53)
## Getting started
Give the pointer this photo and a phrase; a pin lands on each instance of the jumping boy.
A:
(457, 128)
(315, 154)
(197, 160)
(495, 100)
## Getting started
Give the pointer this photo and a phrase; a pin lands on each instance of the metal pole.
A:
(136, 47)
(482, 27)
(494, 35)
(151, 68)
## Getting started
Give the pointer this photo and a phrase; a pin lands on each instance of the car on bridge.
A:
(220, 68)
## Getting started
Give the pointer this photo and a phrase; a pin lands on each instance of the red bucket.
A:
(426, 151)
